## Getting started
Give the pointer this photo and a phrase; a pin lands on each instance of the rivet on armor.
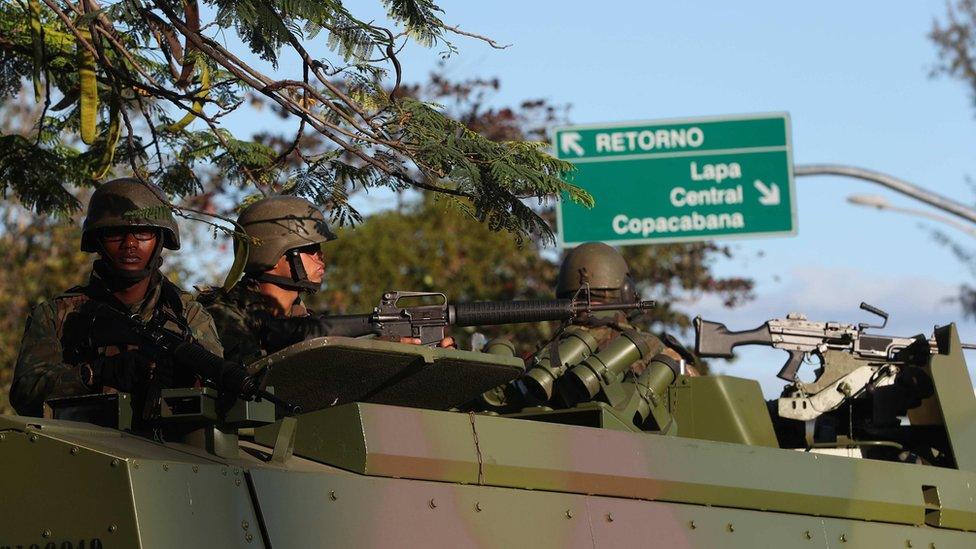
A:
(248, 538)
(609, 517)
(432, 503)
(332, 495)
(730, 527)
(46, 533)
(196, 468)
(244, 524)
(843, 538)
(478, 507)
(569, 513)
(807, 535)
(33, 437)
(692, 525)
(115, 462)
(112, 528)
(74, 450)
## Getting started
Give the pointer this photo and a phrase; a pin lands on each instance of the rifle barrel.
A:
(642, 305)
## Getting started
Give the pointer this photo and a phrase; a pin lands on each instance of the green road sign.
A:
(679, 180)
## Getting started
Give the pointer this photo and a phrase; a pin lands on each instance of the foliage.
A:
(431, 245)
(41, 258)
(146, 85)
(955, 40)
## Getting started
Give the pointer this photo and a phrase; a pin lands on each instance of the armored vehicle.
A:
(410, 446)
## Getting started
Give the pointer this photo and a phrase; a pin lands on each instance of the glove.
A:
(125, 371)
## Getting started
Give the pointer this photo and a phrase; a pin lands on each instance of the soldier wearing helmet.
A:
(284, 261)
(70, 347)
(264, 311)
(598, 271)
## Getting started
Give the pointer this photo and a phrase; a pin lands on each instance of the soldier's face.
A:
(129, 248)
(313, 262)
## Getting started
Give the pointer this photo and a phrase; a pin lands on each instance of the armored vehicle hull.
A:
(365, 473)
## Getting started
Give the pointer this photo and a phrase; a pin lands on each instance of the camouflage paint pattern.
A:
(372, 475)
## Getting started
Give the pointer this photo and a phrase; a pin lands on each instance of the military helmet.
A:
(113, 203)
(594, 263)
(278, 224)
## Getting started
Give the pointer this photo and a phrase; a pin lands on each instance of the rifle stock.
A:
(713, 339)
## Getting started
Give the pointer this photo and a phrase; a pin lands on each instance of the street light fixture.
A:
(881, 203)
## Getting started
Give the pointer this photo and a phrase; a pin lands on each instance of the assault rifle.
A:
(230, 379)
(428, 322)
(801, 337)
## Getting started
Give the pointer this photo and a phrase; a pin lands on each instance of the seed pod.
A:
(241, 249)
(191, 13)
(89, 90)
(112, 134)
(37, 39)
(197, 103)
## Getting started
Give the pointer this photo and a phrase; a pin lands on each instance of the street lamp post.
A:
(880, 203)
(898, 185)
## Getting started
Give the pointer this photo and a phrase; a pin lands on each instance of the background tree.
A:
(431, 245)
(129, 78)
(955, 40)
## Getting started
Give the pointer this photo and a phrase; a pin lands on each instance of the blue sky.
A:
(854, 77)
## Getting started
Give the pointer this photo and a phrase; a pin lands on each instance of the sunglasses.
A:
(115, 235)
(311, 249)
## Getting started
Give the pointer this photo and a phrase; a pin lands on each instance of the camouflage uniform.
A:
(73, 346)
(278, 227)
(241, 316)
(60, 340)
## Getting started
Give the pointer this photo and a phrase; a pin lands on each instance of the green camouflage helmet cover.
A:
(113, 203)
(278, 224)
(596, 263)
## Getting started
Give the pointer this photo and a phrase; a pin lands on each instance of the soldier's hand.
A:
(446, 343)
(125, 371)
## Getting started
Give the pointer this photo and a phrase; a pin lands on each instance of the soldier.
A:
(71, 347)
(264, 312)
(600, 272)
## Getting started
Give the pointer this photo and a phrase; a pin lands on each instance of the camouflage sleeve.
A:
(655, 346)
(40, 372)
(202, 326)
(240, 343)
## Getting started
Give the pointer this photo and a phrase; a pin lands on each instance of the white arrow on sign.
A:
(569, 142)
(770, 194)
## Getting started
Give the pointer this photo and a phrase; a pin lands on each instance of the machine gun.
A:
(428, 322)
(229, 378)
(801, 338)
(851, 362)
